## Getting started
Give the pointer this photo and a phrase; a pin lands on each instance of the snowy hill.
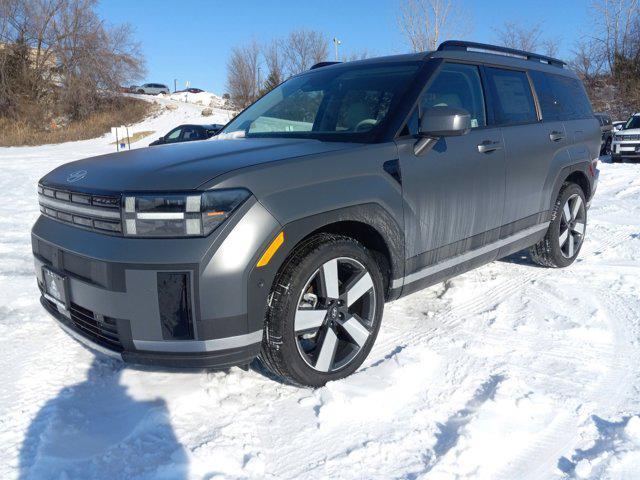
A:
(507, 372)
(205, 99)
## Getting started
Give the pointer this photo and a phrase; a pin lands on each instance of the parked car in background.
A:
(188, 133)
(606, 126)
(345, 187)
(617, 126)
(153, 89)
(626, 142)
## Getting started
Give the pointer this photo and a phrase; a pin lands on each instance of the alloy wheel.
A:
(335, 314)
(572, 226)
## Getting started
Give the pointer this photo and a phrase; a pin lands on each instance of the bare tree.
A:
(303, 48)
(527, 38)
(549, 47)
(614, 25)
(242, 74)
(426, 23)
(356, 55)
(515, 35)
(69, 56)
(274, 60)
(588, 61)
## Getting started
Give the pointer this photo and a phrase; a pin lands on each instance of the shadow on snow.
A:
(95, 429)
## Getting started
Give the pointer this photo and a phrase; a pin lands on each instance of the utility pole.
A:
(336, 43)
(175, 85)
(258, 86)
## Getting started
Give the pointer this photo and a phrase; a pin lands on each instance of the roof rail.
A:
(483, 47)
(322, 64)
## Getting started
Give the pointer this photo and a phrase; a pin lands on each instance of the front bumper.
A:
(625, 149)
(118, 305)
(215, 358)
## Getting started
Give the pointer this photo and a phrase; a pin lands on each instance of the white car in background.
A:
(617, 126)
(626, 142)
(153, 89)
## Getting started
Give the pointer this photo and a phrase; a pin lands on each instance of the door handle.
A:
(488, 146)
(556, 136)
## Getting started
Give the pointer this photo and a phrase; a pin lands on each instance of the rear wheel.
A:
(607, 147)
(324, 312)
(564, 238)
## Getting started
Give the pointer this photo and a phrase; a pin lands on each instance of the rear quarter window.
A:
(563, 98)
(512, 99)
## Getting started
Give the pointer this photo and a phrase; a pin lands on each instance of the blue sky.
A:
(191, 40)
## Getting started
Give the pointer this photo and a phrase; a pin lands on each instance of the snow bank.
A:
(205, 99)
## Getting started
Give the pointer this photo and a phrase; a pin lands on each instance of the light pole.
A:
(336, 42)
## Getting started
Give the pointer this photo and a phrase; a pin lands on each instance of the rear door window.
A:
(459, 86)
(549, 103)
(512, 98)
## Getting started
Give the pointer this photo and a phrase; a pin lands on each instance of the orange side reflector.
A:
(215, 214)
(271, 250)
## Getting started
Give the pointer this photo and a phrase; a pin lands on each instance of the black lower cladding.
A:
(82, 324)
(435, 256)
(174, 301)
(218, 359)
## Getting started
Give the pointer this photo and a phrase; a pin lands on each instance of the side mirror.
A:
(444, 122)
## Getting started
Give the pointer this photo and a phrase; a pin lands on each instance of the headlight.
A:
(180, 215)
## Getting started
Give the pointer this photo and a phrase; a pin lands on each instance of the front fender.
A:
(261, 279)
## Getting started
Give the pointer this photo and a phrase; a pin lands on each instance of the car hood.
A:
(182, 166)
(631, 131)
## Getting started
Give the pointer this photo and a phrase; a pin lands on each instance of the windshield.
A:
(633, 122)
(343, 104)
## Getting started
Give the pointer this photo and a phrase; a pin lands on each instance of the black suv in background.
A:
(606, 127)
(345, 187)
(188, 133)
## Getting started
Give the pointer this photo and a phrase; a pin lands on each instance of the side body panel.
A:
(585, 137)
(531, 156)
(452, 192)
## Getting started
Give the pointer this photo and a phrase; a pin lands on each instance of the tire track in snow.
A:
(560, 439)
(450, 323)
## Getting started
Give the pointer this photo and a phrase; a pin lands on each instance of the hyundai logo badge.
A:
(76, 176)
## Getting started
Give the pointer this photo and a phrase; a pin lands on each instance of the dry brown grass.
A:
(122, 111)
(134, 137)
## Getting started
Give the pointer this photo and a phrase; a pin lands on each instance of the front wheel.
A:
(564, 238)
(324, 311)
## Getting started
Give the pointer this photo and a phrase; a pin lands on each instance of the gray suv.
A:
(346, 187)
(153, 89)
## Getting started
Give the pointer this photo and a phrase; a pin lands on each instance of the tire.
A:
(565, 235)
(607, 147)
(140, 91)
(338, 279)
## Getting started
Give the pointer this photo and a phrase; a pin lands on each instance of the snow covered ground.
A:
(507, 372)
(205, 99)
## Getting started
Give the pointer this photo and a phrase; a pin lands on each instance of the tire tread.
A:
(272, 339)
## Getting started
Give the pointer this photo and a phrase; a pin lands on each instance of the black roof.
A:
(472, 51)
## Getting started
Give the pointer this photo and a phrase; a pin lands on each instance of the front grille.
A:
(94, 212)
(627, 138)
(101, 330)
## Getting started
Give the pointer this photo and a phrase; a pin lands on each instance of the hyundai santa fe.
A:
(347, 186)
